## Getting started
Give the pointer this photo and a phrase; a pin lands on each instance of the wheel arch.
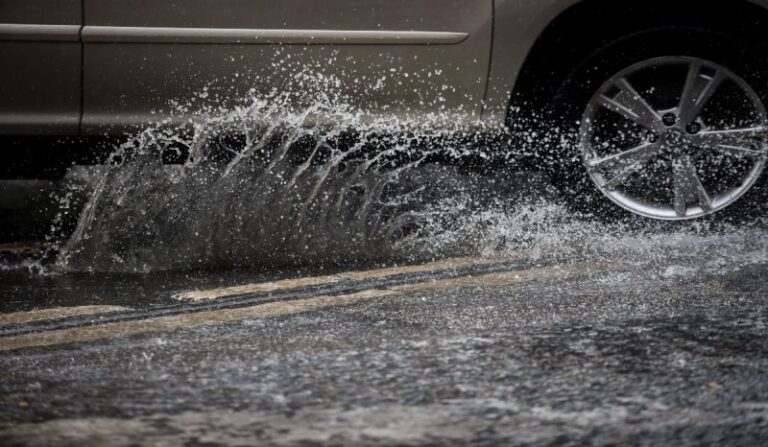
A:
(585, 26)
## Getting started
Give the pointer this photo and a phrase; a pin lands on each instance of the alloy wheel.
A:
(674, 138)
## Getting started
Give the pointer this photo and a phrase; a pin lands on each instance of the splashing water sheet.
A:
(289, 179)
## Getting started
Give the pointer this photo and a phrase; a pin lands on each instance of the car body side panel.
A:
(41, 54)
(518, 24)
(43, 12)
(130, 83)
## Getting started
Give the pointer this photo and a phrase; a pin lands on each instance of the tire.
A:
(567, 108)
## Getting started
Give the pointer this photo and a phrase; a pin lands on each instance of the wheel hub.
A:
(674, 138)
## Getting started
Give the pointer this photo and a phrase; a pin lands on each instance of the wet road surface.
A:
(484, 351)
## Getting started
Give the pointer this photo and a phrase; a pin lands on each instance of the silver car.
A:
(655, 105)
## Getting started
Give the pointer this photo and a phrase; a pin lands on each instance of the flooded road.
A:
(653, 346)
(286, 281)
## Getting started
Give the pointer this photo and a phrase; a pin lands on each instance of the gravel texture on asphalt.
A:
(646, 355)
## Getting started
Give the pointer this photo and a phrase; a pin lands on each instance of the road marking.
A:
(281, 308)
(183, 321)
(505, 278)
(20, 247)
(454, 263)
(56, 313)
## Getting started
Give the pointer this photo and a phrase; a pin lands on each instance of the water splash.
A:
(264, 184)
(278, 182)
(546, 228)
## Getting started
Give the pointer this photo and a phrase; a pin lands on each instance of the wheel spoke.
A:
(626, 162)
(738, 151)
(681, 196)
(700, 192)
(688, 186)
(699, 88)
(734, 142)
(631, 105)
(637, 155)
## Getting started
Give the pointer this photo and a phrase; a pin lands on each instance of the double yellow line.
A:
(167, 323)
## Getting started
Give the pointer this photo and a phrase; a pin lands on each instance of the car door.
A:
(147, 59)
(41, 58)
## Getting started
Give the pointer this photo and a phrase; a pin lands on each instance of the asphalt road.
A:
(624, 348)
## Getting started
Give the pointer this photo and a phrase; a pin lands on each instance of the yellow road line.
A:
(202, 295)
(190, 320)
(55, 313)
(206, 318)
(505, 278)
(21, 247)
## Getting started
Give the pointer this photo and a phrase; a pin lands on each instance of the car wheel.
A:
(665, 124)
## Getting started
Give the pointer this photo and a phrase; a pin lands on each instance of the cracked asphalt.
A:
(616, 353)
